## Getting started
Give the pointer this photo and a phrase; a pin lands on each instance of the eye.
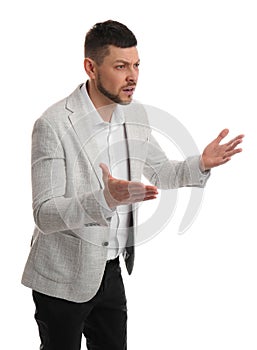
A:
(136, 65)
(120, 66)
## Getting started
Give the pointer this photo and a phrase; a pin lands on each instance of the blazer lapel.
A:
(81, 120)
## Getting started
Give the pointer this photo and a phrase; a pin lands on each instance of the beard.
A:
(109, 95)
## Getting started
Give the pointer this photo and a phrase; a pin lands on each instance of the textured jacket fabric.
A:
(70, 241)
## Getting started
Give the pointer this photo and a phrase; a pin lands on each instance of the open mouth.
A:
(129, 90)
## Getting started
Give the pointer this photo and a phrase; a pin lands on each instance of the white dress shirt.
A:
(111, 141)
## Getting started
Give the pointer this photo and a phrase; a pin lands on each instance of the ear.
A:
(90, 67)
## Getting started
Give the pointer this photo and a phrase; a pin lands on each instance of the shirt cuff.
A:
(203, 172)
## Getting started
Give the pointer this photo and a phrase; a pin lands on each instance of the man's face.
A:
(116, 77)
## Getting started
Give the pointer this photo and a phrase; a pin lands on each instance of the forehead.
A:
(129, 54)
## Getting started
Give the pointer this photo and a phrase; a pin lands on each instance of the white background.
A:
(198, 61)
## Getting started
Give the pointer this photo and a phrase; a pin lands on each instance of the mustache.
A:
(129, 85)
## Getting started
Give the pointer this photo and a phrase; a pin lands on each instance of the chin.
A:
(124, 103)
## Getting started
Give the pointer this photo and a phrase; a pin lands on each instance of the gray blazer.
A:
(70, 241)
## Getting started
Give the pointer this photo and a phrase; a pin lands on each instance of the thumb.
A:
(105, 171)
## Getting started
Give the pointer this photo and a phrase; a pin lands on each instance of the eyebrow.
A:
(124, 61)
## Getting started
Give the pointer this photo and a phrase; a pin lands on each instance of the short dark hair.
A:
(103, 34)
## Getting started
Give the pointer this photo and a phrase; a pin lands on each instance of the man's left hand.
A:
(216, 154)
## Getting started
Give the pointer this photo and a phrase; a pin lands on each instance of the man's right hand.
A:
(120, 192)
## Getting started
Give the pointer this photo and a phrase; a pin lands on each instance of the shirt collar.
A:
(117, 117)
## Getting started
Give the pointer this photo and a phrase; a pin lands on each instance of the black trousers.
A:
(102, 320)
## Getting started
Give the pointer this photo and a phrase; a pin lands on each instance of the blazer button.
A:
(105, 244)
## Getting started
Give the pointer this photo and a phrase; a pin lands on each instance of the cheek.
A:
(115, 82)
(112, 80)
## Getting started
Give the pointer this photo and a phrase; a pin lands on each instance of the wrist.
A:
(202, 164)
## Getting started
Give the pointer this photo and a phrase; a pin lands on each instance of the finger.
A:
(233, 145)
(122, 199)
(149, 198)
(128, 187)
(138, 198)
(151, 188)
(129, 191)
(134, 195)
(140, 185)
(141, 199)
(144, 191)
(238, 139)
(124, 185)
(221, 135)
(151, 193)
(233, 152)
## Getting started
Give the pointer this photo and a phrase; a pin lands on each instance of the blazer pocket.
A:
(57, 257)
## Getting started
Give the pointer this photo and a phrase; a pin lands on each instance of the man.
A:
(89, 152)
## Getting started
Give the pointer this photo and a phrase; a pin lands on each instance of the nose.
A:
(132, 76)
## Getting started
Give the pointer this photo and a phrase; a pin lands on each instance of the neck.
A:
(104, 106)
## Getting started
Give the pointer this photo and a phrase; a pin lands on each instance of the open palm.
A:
(216, 154)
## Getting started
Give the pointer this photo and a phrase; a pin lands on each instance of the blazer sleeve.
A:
(168, 174)
(52, 210)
